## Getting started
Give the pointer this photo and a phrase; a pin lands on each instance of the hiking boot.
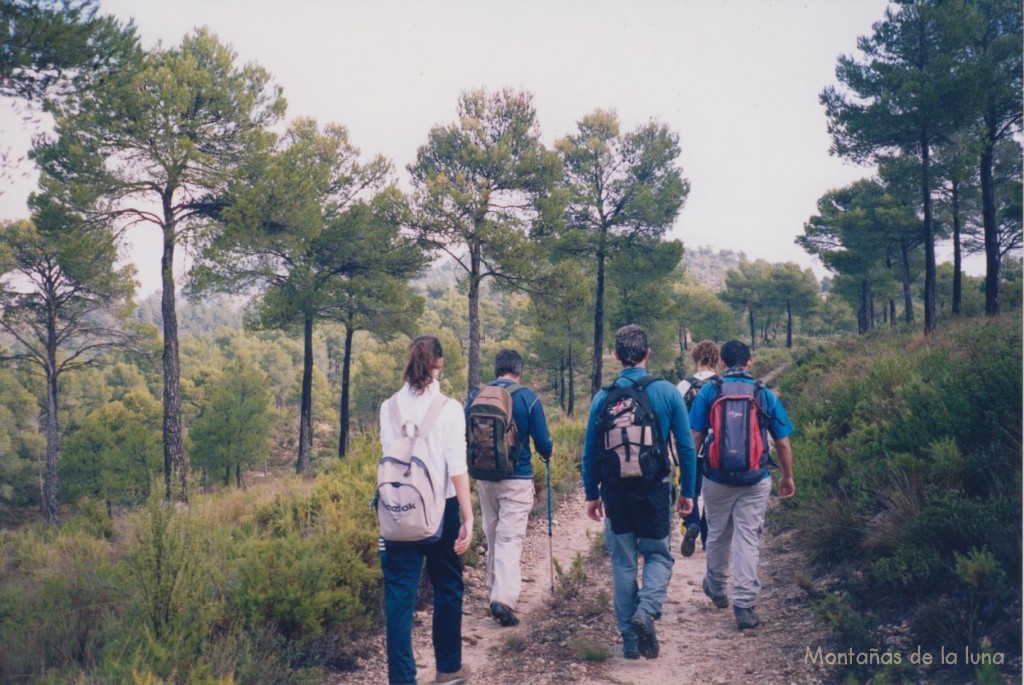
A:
(720, 601)
(643, 625)
(503, 615)
(690, 540)
(460, 676)
(630, 648)
(746, 618)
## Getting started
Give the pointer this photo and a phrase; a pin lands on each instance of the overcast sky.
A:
(738, 80)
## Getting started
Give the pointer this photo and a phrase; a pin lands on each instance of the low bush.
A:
(909, 477)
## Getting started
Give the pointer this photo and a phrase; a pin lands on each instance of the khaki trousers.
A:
(735, 516)
(505, 508)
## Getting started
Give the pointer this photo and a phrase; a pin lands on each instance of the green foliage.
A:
(621, 191)
(51, 48)
(569, 584)
(232, 432)
(588, 650)
(704, 314)
(117, 450)
(852, 629)
(909, 472)
(58, 595)
(480, 184)
(166, 561)
(21, 443)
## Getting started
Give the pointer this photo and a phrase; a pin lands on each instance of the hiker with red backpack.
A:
(627, 470)
(501, 418)
(740, 413)
(705, 357)
(422, 487)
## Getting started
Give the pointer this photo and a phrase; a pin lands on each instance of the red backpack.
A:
(738, 453)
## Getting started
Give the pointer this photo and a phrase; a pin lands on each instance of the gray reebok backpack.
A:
(410, 495)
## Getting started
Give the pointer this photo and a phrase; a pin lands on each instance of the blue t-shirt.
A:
(528, 414)
(779, 426)
(670, 409)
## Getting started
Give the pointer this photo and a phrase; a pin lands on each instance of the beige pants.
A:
(505, 508)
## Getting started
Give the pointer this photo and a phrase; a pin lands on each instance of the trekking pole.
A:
(551, 557)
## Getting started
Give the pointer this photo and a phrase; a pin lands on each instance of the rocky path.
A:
(577, 642)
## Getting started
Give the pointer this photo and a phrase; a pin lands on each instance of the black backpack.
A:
(695, 385)
(633, 452)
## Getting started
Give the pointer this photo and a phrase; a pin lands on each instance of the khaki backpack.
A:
(411, 490)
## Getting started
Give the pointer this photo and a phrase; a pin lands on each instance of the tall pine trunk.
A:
(908, 302)
(753, 333)
(474, 319)
(572, 383)
(343, 411)
(306, 404)
(929, 235)
(175, 461)
(50, 503)
(596, 374)
(863, 320)
(988, 214)
(789, 324)
(561, 383)
(957, 256)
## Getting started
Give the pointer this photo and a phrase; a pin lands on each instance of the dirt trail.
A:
(698, 642)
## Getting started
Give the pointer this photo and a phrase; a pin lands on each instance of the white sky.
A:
(738, 80)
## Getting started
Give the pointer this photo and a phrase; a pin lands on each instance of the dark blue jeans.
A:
(695, 515)
(401, 566)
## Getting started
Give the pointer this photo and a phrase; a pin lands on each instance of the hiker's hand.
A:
(684, 505)
(465, 538)
(595, 510)
(786, 488)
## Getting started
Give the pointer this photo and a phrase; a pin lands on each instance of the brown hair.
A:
(705, 353)
(424, 353)
(631, 344)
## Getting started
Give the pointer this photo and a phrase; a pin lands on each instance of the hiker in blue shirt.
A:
(735, 501)
(505, 504)
(638, 512)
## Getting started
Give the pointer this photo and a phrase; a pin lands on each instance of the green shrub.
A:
(588, 650)
(58, 594)
(909, 475)
(568, 584)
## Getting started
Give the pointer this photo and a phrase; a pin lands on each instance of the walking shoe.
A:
(746, 617)
(503, 615)
(643, 625)
(690, 540)
(720, 601)
(460, 676)
(630, 648)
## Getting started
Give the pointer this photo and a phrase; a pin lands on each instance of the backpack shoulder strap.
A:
(645, 381)
(513, 388)
(395, 416)
(433, 412)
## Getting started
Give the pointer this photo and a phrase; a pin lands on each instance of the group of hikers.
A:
(715, 427)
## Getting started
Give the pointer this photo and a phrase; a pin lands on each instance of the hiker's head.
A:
(735, 353)
(508, 363)
(631, 346)
(705, 354)
(426, 359)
